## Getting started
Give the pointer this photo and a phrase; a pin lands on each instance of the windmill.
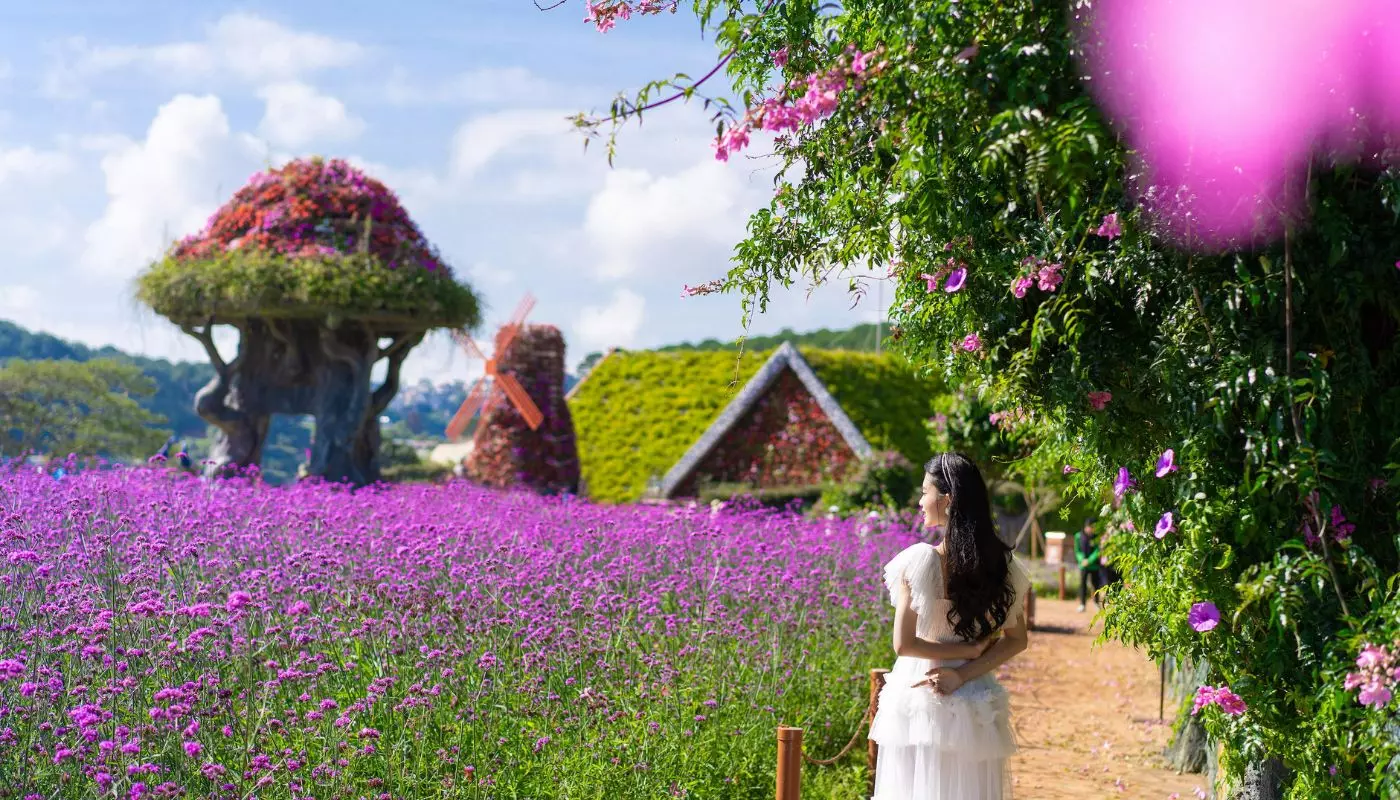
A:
(477, 397)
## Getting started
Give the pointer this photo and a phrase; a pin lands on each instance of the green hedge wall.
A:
(639, 412)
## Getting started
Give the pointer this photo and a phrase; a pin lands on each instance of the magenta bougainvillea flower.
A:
(1166, 463)
(1123, 484)
(1109, 228)
(1165, 525)
(1226, 700)
(1203, 616)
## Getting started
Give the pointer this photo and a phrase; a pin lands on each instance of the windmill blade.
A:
(521, 399)
(468, 343)
(464, 415)
(517, 321)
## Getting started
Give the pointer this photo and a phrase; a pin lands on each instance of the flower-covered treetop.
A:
(314, 238)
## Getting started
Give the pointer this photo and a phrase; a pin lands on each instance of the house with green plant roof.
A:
(668, 424)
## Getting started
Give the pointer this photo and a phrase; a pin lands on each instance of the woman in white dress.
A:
(944, 723)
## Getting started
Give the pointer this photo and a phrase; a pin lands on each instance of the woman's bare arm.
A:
(1014, 639)
(908, 643)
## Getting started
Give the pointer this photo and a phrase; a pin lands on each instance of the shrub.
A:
(313, 239)
(887, 482)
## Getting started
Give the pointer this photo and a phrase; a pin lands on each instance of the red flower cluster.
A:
(507, 454)
(784, 440)
(313, 208)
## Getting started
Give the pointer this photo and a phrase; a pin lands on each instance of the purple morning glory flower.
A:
(1165, 525)
(956, 279)
(1124, 483)
(1203, 616)
(1166, 463)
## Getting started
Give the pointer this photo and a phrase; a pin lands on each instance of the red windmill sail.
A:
(477, 397)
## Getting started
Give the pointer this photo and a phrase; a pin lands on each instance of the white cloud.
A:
(240, 45)
(297, 115)
(614, 325)
(640, 221)
(167, 186)
(15, 300)
(541, 133)
(484, 86)
(28, 164)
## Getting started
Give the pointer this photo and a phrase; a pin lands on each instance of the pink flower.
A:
(860, 63)
(1203, 616)
(732, 141)
(1068, 470)
(1020, 285)
(1099, 400)
(193, 749)
(1166, 463)
(1229, 702)
(298, 608)
(956, 279)
(237, 600)
(931, 281)
(1109, 228)
(1373, 694)
(1165, 525)
(1372, 656)
(780, 57)
(972, 342)
(1049, 277)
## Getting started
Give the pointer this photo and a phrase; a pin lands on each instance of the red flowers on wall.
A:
(784, 440)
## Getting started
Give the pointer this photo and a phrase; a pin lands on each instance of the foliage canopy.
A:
(1271, 374)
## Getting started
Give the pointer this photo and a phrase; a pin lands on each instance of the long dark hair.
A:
(976, 561)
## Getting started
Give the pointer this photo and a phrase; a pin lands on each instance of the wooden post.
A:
(789, 763)
(872, 750)
(1062, 581)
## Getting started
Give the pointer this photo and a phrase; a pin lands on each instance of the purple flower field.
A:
(161, 636)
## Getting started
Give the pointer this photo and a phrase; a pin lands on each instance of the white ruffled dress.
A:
(941, 747)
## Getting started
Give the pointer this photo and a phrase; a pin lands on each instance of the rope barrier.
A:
(826, 762)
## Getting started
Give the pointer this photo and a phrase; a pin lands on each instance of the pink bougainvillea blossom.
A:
(1109, 228)
(803, 101)
(1377, 676)
(1203, 616)
(1100, 400)
(1226, 700)
(1048, 278)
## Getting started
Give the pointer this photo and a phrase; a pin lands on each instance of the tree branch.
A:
(397, 352)
(206, 337)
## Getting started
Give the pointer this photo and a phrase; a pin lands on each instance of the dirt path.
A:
(1086, 716)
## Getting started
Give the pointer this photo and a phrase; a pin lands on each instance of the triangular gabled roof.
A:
(786, 357)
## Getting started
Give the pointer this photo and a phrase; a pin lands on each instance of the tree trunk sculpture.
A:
(303, 367)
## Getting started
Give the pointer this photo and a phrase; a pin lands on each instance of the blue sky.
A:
(123, 125)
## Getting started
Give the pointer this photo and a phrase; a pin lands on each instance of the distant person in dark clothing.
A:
(1087, 553)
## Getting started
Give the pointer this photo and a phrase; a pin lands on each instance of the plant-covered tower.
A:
(323, 274)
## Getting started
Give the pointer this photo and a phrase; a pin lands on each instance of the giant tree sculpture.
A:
(324, 275)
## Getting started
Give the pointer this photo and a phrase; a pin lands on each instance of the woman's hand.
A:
(943, 680)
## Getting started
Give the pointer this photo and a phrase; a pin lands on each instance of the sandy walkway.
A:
(1086, 716)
